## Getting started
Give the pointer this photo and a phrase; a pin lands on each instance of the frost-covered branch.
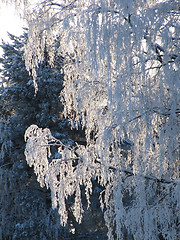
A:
(130, 173)
(62, 6)
(121, 85)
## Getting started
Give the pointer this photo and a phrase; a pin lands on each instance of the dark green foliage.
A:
(25, 208)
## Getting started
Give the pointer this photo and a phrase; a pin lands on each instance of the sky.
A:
(9, 22)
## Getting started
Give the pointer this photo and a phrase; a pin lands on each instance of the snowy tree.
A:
(121, 84)
(23, 204)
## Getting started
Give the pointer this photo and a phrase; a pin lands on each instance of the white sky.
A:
(9, 22)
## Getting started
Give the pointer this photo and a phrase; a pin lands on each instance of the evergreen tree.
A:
(25, 209)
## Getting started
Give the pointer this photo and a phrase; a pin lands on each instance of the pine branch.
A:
(4, 165)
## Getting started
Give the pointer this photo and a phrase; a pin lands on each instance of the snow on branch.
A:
(60, 172)
(130, 173)
(121, 82)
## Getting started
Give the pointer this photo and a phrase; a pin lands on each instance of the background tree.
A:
(121, 85)
(25, 208)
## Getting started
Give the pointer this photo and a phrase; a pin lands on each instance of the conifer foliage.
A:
(25, 209)
(121, 85)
